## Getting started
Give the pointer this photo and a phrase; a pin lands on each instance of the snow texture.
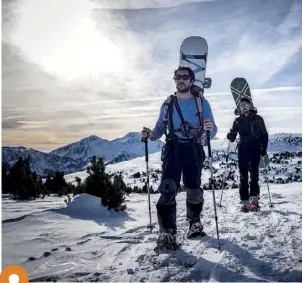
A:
(83, 241)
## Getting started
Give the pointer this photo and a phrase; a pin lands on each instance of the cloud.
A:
(138, 4)
(105, 67)
(10, 124)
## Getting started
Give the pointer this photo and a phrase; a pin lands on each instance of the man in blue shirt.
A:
(184, 118)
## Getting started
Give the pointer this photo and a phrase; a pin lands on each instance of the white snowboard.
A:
(193, 54)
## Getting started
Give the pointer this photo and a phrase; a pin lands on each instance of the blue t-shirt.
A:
(189, 111)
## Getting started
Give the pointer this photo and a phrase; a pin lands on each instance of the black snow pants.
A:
(177, 158)
(248, 160)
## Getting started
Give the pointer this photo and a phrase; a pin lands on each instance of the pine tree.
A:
(99, 184)
(119, 183)
(5, 180)
(79, 188)
(144, 189)
(24, 183)
(137, 175)
(57, 185)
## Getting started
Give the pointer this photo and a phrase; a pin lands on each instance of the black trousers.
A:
(248, 160)
(186, 159)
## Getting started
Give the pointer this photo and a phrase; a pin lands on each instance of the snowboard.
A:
(193, 54)
(240, 88)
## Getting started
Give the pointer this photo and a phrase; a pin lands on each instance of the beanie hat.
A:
(245, 99)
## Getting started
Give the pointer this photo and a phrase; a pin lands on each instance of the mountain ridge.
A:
(76, 156)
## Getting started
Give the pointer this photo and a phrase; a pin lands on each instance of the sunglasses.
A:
(184, 77)
(244, 104)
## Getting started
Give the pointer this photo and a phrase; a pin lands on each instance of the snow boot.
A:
(195, 229)
(166, 242)
(245, 206)
(254, 204)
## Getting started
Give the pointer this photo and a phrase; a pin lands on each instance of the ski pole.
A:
(266, 177)
(212, 185)
(145, 140)
(225, 174)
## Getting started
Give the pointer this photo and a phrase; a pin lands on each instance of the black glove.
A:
(231, 136)
(263, 152)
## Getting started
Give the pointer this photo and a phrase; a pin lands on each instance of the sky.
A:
(74, 68)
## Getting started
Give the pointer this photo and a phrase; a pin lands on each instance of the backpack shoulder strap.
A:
(179, 111)
(167, 105)
(199, 104)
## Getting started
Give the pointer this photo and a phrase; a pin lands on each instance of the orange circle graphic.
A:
(22, 276)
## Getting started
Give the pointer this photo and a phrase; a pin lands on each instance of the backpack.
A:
(168, 111)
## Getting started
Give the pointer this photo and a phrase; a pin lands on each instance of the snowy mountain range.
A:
(76, 156)
(284, 150)
(42, 163)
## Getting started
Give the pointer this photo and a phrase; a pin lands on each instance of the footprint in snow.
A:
(83, 242)
(277, 196)
(250, 237)
(46, 254)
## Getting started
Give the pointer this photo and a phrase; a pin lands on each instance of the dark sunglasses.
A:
(184, 77)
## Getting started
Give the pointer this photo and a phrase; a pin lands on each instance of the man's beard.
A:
(183, 88)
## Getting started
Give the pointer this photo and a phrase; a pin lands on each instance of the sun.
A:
(86, 52)
(66, 40)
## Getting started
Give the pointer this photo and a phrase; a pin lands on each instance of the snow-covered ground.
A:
(85, 242)
(19, 208)
(129, 168)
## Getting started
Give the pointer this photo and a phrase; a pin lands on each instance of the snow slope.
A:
(19, 208)
(285, 142)
(84, 149)
(85, 242)
(289, 168)
(76, 156)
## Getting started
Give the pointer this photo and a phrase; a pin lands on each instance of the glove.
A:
(208, 125)
(231, 136)
(146, 133)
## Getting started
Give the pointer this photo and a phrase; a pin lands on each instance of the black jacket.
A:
(252, 131)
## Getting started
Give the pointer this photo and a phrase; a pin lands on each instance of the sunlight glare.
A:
(85, 53)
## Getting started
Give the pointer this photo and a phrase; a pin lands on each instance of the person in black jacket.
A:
(252, 145)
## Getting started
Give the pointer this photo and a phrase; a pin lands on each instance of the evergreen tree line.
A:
(24, 184)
